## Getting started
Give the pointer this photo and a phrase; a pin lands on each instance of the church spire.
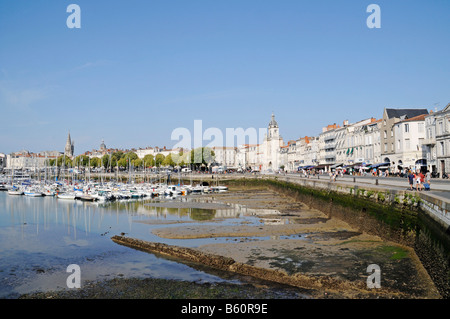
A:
(68, 150)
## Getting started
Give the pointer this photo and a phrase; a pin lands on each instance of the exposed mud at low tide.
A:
(299, 246)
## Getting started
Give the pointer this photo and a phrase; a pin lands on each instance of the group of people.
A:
(419, 181)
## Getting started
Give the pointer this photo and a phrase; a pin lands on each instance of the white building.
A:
(437, 141)
(327, 146)
(410, 149)
(30, 161)
(307, 151)
(225, 156)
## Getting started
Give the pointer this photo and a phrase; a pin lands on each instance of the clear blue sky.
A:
(136, 70)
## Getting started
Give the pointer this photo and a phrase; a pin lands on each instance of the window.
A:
(385, 134)
(407, 144)
(398, 144)
(406, 128)
(442, 148)
(421, 127)
(385, 147)
(392, 132)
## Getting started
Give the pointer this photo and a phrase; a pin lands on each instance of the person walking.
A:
(422, 180)
(417, 181)
(411, 180)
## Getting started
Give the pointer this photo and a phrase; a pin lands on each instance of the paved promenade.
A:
(439, 187)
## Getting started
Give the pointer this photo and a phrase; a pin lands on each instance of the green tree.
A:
(159, 159)
(201, 155)
(122, 162)
(149, 160)
(168, 161)
(137, 162)
(105, 160)
(64, 160)
(131, 156)
(95, 162)
(81, 160)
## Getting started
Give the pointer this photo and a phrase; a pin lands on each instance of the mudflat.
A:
(317, 252)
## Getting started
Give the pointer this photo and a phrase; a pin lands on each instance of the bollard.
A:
(376, 181)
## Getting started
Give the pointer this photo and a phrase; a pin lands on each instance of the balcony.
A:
(429, 141)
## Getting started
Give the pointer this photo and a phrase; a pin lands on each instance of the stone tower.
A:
(69, 149)
(271, 145)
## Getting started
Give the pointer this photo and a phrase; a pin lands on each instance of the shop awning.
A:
(380, 164)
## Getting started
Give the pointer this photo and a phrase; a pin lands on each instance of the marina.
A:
(277, 239)
(42, 235)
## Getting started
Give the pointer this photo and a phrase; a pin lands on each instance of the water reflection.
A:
(40, 236)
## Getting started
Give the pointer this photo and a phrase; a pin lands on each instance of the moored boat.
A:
(66, 196)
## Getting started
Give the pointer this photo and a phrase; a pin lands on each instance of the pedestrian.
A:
(422, 180)
(417, 180)
(428, 177)
(411, 180)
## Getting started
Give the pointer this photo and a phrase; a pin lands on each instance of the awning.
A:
(336, 165)
(322, 166)
(422, 162)
(380, 164)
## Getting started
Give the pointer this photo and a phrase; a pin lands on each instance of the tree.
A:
(137, 162)
(149, 160)
(159, 159)
(168, 161)
(122, 163)
(105, 160)
(64, 160)
(96, 162)
(81, 160)
(131, 156)
(201, 155)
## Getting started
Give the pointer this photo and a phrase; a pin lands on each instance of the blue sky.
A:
(136, 70)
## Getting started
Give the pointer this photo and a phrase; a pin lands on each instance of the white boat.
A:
(32, 193)
(172, 190)
(66, 196)
(87, 198)
(15, 191)
(219, 189)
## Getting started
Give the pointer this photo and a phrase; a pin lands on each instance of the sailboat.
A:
(66, 196)
(15, 191)
(32, 192)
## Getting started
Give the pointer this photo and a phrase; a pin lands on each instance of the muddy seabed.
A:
(303, 247)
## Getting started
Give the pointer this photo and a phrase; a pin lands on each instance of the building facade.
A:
(409, 144)
(388, 138)
(437, 141)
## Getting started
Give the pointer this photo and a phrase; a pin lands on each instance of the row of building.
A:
(401, 139)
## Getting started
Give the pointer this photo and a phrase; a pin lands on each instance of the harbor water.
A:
(41, 236)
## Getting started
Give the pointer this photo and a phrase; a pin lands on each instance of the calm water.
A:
(40, 237)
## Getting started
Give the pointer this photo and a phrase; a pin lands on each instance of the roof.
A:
(407, 113)
(273, 123)
(416, 118)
